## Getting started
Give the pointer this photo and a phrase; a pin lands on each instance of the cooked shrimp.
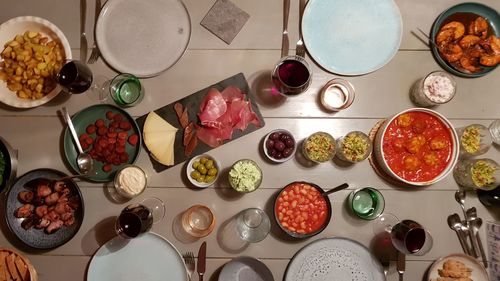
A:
(444, 36)
(468, 41)
(451, 52)
(470, 60)
(492, 47)
(479, 27)
(458, 29)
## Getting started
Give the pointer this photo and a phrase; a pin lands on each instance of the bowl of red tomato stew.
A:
(417, 146)
(301, 210)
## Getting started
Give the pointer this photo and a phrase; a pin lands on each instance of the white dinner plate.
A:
(478, 272)
(143, 38)
(352, 37)
(334, 259)
(245, 269)
(148, 257)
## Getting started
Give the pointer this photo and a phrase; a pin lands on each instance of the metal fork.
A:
(95, 50)
(299, 48)
(189, 261)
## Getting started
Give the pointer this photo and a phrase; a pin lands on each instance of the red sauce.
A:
(417, 146)
(301, 208)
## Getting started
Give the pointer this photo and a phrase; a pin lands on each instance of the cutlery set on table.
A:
(200, 265)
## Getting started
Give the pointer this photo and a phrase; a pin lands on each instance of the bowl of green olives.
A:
(203, 170)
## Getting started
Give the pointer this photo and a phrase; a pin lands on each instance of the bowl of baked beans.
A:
(301, 210)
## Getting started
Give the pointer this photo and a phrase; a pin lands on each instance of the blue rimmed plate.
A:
(352, 37)
(491, 16)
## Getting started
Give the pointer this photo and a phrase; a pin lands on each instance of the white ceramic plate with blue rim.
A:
(143, 38)
(334, 259)
(352, 37)
(148, 257)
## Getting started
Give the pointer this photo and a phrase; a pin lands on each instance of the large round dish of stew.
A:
(417, 146)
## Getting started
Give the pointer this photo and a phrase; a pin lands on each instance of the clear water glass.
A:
(253, 225)
(198, 221)
(495, 131)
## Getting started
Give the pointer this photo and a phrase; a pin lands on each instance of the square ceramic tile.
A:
(225, 20)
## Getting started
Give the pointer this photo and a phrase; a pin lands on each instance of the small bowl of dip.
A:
(130, 181)
(245, 176)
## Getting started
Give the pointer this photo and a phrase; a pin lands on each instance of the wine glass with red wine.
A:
(75, 77)
(138, 218)
(407, 236)
(292, 75)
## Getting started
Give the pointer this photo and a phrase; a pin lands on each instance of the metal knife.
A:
(285, 44)
(401, 265)
(83, 36)
(202, 260)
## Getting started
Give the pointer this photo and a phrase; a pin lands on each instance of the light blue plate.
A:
(148, 257)
(352, 37)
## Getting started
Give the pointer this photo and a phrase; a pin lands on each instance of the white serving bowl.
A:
(190, 169)
(282, 159)
(19, 25)
(379, 149)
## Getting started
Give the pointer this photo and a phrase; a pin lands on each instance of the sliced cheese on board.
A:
(159, 138)
(154, 123)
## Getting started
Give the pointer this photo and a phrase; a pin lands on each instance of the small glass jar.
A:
(354, 147)
(477, 173)
(130, 181)
(198, 221)
(495, 131)
(319, 147)
(337, 94)
(474, 140)
(436, 88)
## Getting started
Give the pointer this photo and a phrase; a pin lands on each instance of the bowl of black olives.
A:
(279, 145)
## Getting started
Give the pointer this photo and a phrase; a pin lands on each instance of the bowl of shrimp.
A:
(465, 40)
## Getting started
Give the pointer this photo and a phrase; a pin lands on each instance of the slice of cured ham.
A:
(221, 113)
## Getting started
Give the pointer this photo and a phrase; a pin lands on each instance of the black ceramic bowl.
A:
(489, 198)
(9, 170)
(37, 238)
(308, 234)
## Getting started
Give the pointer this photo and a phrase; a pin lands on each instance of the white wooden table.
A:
(36, 133)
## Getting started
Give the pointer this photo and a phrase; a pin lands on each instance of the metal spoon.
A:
(335, 189)
(83, 160)
(460, 198)
(455, 223)
(475, 224)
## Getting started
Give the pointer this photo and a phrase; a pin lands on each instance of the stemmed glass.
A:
(75, 77)
(138, 218)
(407, 236)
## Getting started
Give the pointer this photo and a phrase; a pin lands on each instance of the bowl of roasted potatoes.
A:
(32, 53)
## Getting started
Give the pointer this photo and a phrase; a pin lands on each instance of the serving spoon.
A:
(335, 189)
(460, 198)
(83, 160)
(455, 223)
(475, 223)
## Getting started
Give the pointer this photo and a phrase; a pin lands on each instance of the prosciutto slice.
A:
(221, 113)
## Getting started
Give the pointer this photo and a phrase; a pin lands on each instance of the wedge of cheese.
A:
(159, 138)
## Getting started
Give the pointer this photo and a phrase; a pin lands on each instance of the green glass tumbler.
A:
(367, 203)
(126, 90)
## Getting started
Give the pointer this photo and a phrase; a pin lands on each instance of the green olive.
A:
(203, 160)
(196, 164)
(209, 164)
(202, 170)
(201, 178)
(209, 179)
(212, 172)
(195, 174)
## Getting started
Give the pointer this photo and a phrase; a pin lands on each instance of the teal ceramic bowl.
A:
(88, 116)
(491, 16)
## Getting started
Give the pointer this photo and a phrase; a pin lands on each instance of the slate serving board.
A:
(192, 103)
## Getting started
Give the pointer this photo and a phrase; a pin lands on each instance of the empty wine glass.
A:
(407, 236)
(138, 218)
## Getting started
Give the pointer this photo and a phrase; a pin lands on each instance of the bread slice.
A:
(22, 268)
(12, 267)
(3, 263)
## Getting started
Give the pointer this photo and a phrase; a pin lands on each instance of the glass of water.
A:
(367, 203)
(126, 90)
(253, 225)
